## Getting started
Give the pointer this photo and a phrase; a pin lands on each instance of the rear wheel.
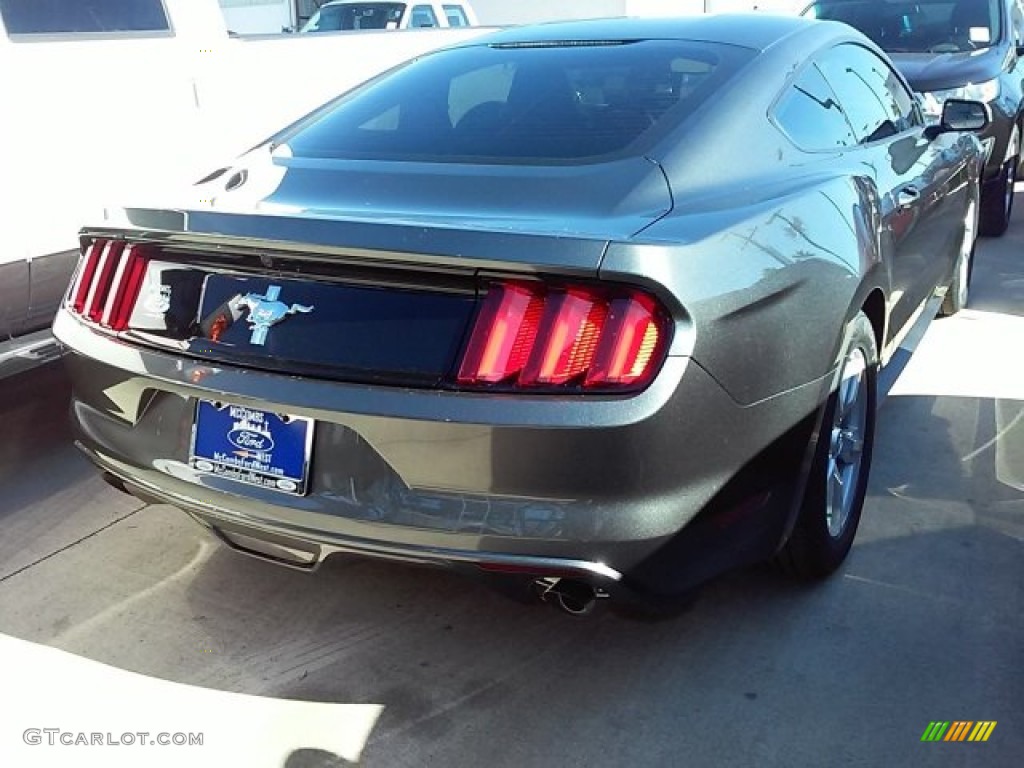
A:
(831, 508)
(997, 200)
(959, 287)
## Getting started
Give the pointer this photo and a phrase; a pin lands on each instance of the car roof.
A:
(749, 30)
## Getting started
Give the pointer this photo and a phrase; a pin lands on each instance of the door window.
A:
(872, 95)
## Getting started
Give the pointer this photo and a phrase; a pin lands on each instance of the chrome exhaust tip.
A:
(577, 598)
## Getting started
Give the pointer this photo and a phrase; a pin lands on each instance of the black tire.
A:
(997, 200)
(958, 292)
(821, 538)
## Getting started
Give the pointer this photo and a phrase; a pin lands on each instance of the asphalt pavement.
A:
(118, 618)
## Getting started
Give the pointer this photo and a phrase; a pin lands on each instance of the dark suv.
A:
(966, 49)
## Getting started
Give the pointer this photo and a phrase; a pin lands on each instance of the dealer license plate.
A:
(252, 446)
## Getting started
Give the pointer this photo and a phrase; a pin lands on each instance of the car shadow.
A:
(997, 283)
(437, 650)
(34, 414)
(50, 496)
(37, 457)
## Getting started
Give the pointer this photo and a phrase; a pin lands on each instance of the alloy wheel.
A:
(846, 442)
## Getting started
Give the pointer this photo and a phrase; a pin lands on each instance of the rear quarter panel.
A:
(765, 278)
(769, 250)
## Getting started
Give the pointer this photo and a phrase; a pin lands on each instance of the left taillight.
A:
(107, 285)
(529, 336)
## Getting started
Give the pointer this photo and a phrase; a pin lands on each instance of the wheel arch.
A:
(873, 306)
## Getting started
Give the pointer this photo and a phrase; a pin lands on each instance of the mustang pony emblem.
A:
(266, 310)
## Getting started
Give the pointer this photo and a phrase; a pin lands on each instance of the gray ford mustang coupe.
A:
(599, 307)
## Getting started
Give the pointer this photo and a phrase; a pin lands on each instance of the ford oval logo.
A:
(251, 441)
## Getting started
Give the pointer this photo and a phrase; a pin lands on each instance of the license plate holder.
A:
(252, 446)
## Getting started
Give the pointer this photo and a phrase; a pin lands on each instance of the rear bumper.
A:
(275, 539)
(601, 488)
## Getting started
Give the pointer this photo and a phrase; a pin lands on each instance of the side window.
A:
(810, 115)
(423, 16)
(874, 99)
(385, 121)
(61, 17)
(456, 16)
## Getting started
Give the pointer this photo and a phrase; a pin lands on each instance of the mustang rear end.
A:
(530, 424)
(517, 308)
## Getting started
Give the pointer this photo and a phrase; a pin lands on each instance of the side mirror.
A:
(961, 115)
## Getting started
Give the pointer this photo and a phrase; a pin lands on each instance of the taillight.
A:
(108, 283)
(505, 332)
(86, 273)
(533, 336)
(106, 272)
(629, 344)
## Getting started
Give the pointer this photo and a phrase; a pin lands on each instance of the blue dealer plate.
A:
(251, 446)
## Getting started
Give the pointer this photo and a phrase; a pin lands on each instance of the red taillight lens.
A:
(108, 283)
(505, 332)
(110, 260)
(629, 344)
(569, 332)
(86, 273)
(530, 336)
(123, 302)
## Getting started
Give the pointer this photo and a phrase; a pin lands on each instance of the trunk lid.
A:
(478, 216)
(361, 271)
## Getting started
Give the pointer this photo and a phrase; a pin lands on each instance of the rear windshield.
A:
(555, 103)
(334, 18)
(923, 26)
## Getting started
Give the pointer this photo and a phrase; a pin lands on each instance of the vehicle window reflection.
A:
(811, 116)
(862, 83)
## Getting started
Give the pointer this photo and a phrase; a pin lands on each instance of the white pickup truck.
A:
(339, 15)
(105, 98)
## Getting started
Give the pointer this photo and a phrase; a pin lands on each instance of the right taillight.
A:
(630, 343)
(108, 282)
(532, 336)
